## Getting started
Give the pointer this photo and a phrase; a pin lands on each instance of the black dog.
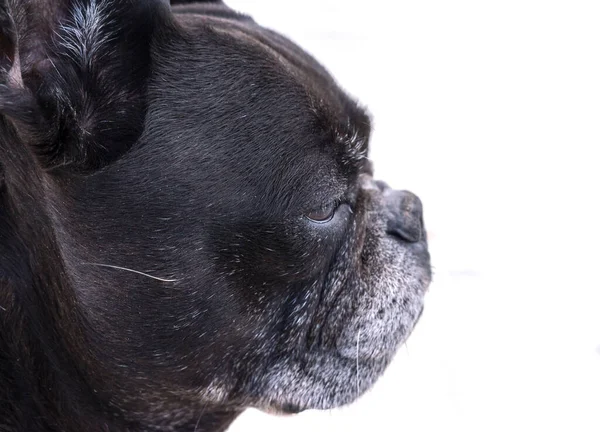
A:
(189, 225)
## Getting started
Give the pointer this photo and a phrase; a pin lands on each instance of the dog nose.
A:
(405, 214)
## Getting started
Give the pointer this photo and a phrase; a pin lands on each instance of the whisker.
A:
(132, 271)
(357, 375)
(200, 417)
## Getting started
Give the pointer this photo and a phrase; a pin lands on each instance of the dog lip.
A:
(284, 410)
(321, 317)
(420, 315)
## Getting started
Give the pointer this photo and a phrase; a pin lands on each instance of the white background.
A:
(490, 112)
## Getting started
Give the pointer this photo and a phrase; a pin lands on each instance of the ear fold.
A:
(8, 40)
(73, 76)
(16, 101)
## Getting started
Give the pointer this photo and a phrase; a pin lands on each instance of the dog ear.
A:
(73, 76)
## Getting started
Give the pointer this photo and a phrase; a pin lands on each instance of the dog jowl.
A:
(189, 223)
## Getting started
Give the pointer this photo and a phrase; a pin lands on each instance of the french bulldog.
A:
(189, 223)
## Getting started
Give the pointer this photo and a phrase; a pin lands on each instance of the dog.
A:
(189, 223)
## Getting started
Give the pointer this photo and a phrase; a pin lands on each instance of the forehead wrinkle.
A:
(346, 123)
(313, 79)
(319, 86)
(294, 62)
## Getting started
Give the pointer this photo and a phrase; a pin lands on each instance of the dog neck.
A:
(50, 377)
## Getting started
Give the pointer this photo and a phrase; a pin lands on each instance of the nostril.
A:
(410, 232)
(383, 186)
(405, 213)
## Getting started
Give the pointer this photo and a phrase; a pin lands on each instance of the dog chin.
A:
(322, 379)
(317, 381)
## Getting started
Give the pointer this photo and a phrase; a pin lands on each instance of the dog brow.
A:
(353, 136)
(354, 143)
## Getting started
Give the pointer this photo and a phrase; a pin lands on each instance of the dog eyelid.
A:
(324, 214)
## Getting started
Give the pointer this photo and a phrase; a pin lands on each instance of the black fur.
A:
(158, 269)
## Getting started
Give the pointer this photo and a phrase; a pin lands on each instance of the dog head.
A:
(190, 216)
